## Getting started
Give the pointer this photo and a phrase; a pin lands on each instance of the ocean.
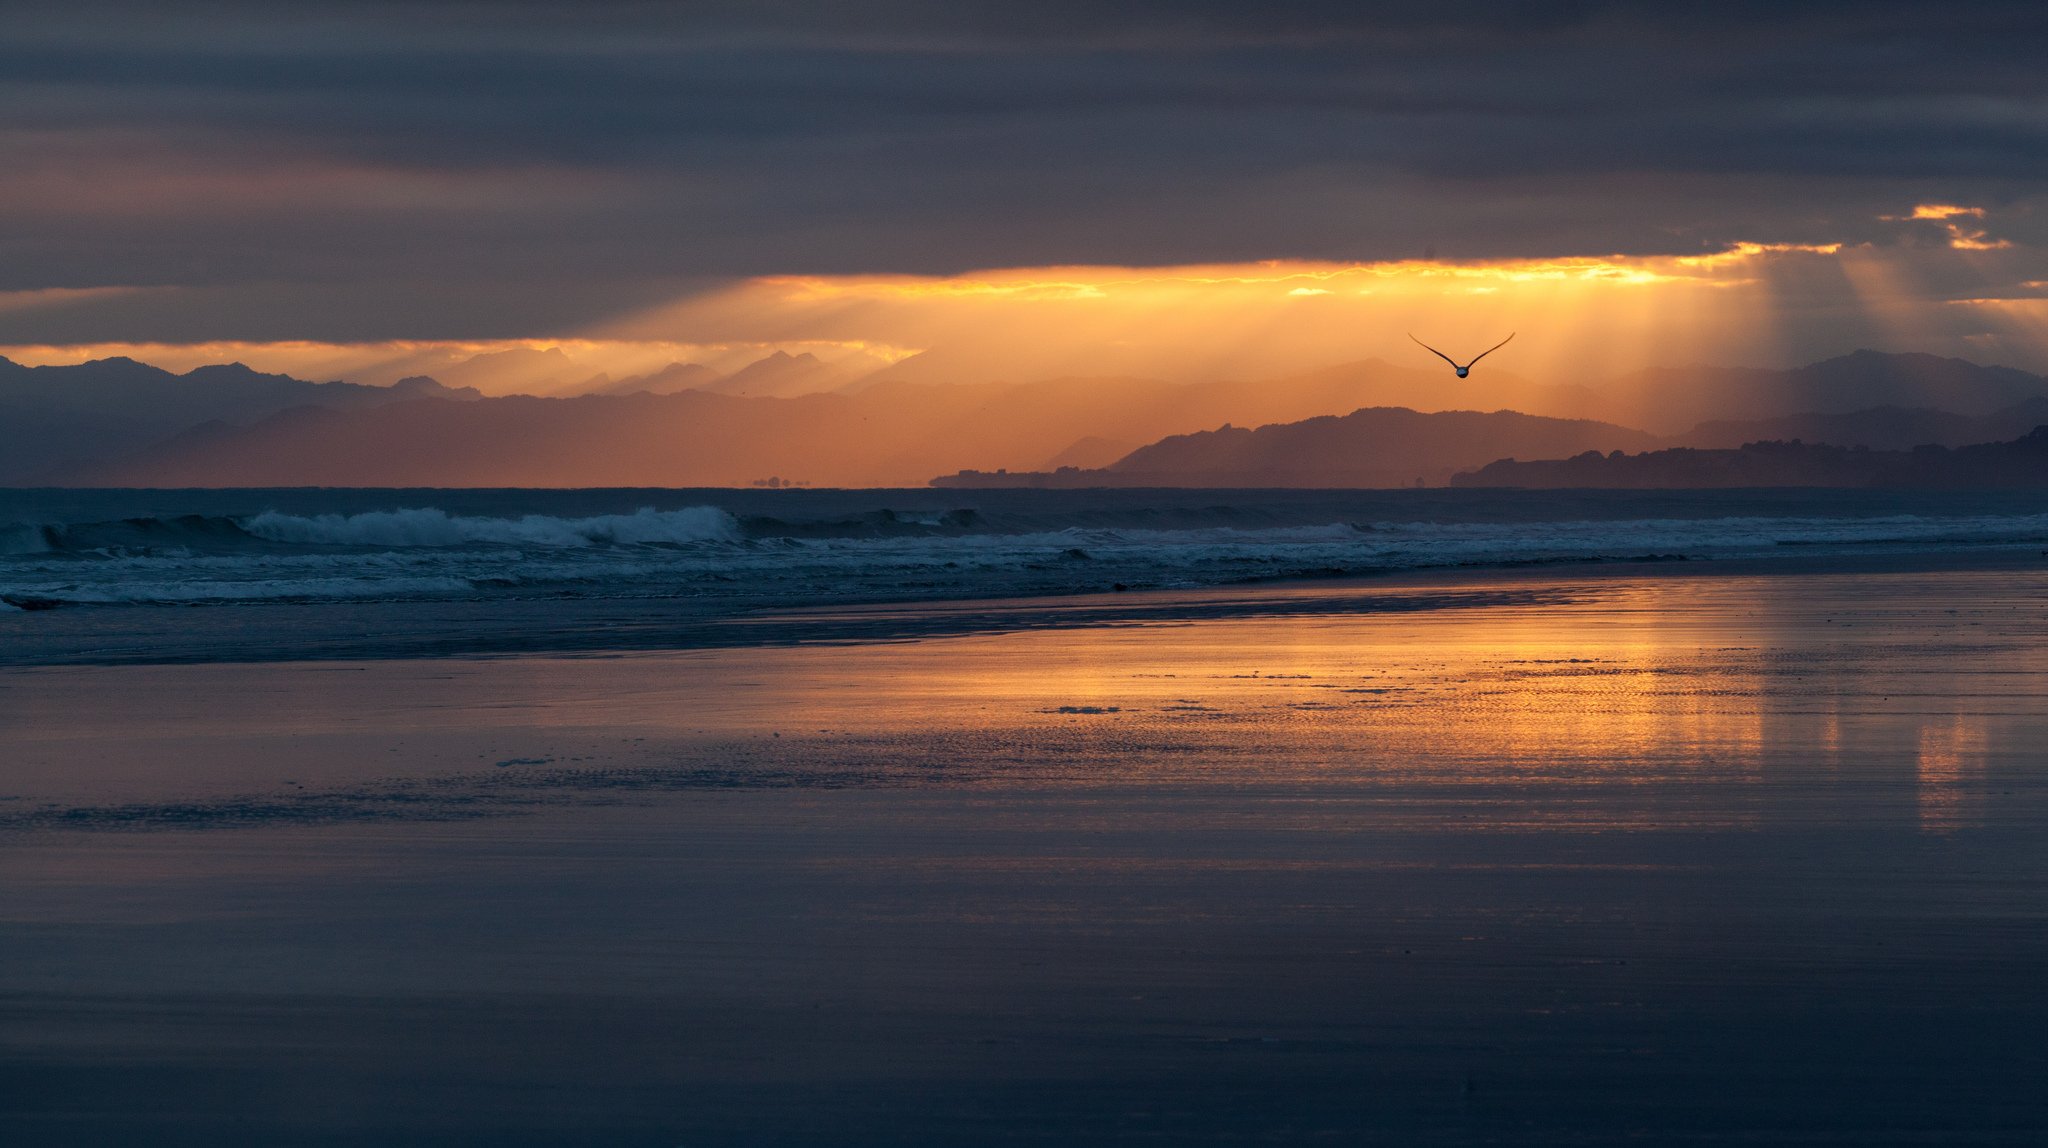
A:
(738, 550)
(648, 818)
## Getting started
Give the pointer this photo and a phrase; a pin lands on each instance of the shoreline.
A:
(266, 632)
(1715, 859)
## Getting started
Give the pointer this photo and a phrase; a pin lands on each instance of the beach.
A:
(994, 575)
(1659, 853)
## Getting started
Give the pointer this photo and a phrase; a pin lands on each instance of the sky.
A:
(1189, 189)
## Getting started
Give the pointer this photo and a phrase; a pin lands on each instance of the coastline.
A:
(284, 632)
(1730, 858)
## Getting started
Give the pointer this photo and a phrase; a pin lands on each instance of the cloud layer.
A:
(369, 171)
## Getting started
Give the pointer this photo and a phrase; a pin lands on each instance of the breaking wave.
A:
(390, 529)
(823, 547)
(430, 527)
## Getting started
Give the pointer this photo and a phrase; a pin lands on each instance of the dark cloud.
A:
(340, 150)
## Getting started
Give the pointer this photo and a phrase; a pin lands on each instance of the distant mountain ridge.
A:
(1880, 428)
(782, 375)
(2021, 463)
(232, 426)
(1398, 446)
(666, 381)
(1371, 447)
(1670, 400)
(68, 415)
(891, 434)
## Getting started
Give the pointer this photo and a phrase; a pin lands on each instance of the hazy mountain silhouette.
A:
(520, 370)
(922, 367)
(1881, 428)
(1391, 447)
(1088, 453)
(1378, 446)
(1673, 400)
(666, 381)
(896, 433)
(68, 415)
(891, 434)
(690, 438)
(1378, 383)
(782, 375)
(2020, 463)
(409, 387)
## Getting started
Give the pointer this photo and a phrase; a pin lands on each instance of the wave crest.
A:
(427, 526)
(22, 538)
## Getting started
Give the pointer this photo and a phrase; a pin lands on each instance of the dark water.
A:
(1651, 857)
(86, 575)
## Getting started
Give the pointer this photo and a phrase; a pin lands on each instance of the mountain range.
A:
(75, 418)
(118, 422)
(1372, 447)
(2021, 463)
(1396, 446)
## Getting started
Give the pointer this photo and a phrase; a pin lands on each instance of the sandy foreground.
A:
(1648, 858)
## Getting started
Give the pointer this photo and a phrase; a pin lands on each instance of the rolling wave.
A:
(331, 547)
(431, 527)
(390, 529)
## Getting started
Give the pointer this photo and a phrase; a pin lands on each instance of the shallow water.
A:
(1645, 857)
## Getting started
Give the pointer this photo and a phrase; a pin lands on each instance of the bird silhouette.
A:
(1466, 369)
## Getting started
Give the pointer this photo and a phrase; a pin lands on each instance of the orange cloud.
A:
(1580, 318)
(1585, 315)
(1960, 236)
(1943, 211)
(1742, 253)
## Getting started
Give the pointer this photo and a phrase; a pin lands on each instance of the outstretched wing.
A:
(1491, 350)
(1433, 350)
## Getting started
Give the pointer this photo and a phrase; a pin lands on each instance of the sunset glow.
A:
(1584, 317)
(1140, 575)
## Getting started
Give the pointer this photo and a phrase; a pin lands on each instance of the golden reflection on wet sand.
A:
(1664, 858)
(1951, 768)
(1876, 685)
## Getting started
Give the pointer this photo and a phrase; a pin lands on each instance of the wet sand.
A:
(1654, 856)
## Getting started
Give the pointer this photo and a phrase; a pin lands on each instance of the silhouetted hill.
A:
(68, 415)
(782, 375)
(925, 367)
(1376, 447)
(891, 434)
(666, 381)
(1088, 453)
(2020, 463)
(1880, 428)
(521, 370)
(1670, 401)
(1673, 400)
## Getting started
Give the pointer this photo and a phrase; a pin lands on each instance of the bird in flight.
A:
(1466, 369)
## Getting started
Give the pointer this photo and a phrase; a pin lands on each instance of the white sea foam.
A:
(307, 589)
(704, 553)
(427, 526)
